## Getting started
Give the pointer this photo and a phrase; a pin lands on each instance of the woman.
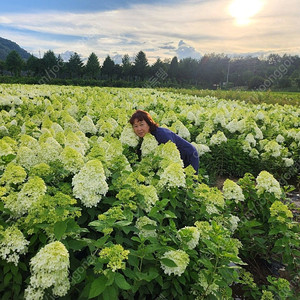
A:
(142, 123)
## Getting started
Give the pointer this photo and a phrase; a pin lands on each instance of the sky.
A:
(161, 29)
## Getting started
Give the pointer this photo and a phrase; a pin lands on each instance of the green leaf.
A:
(168, 262)
(97, 287)
(7, 278)
(110, 293)
(8, 158)
(163, 202)
(60, 229)
(76, 245)
(121, 282)
(149, 227)
(170, 214)
(133, 261)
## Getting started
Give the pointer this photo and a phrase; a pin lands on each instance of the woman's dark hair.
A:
(142, 115)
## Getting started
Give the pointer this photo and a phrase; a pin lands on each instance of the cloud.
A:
(205, 25)
(184, 51)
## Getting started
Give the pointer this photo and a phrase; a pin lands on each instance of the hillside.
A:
(7, 46)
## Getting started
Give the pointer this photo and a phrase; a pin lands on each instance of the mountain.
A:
(7, 46)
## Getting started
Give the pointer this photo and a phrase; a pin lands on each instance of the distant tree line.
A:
(211, 71)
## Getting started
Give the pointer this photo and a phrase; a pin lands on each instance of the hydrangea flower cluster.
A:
(169, 154)
(280, 211)
(149, 144)
(232, 191)
(149, 194)
(31, 191)
(201, 148)
(180, 258)
(13, 174)
(72, 160)
(128, 137)
(86, 125)
(115, 256)
(211, 198)
(218, 138)
(267, 183)
(172, 177)
(89, 185)
(49, 267)
(189, 236)
(12, 244)
(143, 232)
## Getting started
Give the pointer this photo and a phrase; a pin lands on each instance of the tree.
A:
(49, 60)
(257, 82)
(92, 68)
(157, 66)
(173, 70)
(126, 66)
(14, 63)
(108, 67)
(140, 68)
(75, 66)
(2, 67)
(34, 65)
(189, 70)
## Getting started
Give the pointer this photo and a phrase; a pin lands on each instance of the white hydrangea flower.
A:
(254, 153)
(180, 258)
(27, 157)
(143, 232)
(288, 162)
(70, 123)
(72, 160)
(29, 194)
(280, 139)
(150, 196)
(232, 191)
(128, 137)
(49, 151)
(273, 148)
(12, 244)
(190, 116)
(250, 139)
(234, 221)
(258, 133)
(183, 132)
(30, 142)
(220, 119)
(3, 130)
(5, 148)
(75, 142)
(201, 148)
(260, 116)
(49, 267)
(267, 183)
(172, 176)
(218, 138)
(170, 154)
(189, 236)
(232, 126)
(149, 144)
(89, 185)
(86, 125)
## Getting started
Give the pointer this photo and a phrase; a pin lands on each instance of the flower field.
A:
(83, 217)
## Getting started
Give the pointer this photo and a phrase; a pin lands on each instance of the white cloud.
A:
(205, 25)
(184, 50)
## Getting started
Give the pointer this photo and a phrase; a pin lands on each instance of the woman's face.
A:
(140, 128)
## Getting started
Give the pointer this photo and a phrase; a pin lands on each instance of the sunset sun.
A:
(244, 10)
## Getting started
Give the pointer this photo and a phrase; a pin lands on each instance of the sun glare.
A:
(243, 10)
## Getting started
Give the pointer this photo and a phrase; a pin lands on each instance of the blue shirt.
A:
(188, 152)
